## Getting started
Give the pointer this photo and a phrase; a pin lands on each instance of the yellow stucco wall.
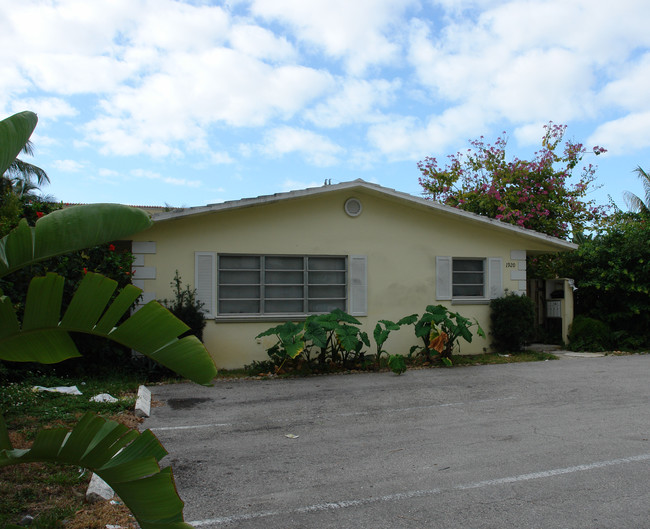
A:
(400, 240)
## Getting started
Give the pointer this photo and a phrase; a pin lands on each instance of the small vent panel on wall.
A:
(353, 207)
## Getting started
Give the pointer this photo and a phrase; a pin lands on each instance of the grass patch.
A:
(496, 358)
(48, 492)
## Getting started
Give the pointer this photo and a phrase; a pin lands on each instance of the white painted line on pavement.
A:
(414, 408)
(225, 520)
(191, 427)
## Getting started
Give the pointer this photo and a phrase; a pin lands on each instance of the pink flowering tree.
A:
(533, 194)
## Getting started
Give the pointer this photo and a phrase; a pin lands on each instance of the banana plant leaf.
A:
(14, 134)
(44, 336)
(125, 459)
(66, 230)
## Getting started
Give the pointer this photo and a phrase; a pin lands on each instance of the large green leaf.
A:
(14, 134)
(66, 230)
(125, 459)
(152, 330)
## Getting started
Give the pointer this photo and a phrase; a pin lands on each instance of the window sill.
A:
(236, 318)
(477, 301)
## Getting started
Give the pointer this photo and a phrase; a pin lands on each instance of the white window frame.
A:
(492, 279)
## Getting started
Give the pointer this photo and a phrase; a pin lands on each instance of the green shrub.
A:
(512, 322)
(186, 307)
(397, 364)
(589, 334)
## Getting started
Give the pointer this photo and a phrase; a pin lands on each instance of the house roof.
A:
(391, 194)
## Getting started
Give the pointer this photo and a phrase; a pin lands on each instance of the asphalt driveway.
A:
(557, 444)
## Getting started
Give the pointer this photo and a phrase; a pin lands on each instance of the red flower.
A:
(85, 270)
(111, 247)
(39, 214)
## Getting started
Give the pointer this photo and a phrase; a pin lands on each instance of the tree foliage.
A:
(533, 194)
(611, 270)
(635, 203)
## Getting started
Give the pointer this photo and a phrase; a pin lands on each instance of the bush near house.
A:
(512, 322)
(589, 334)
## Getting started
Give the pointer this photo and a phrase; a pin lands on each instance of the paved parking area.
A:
(557, 444)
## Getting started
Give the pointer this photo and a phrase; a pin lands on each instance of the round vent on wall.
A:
(353, 207)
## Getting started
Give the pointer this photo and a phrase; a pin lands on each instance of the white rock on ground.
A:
(143, 402)
(98, 490)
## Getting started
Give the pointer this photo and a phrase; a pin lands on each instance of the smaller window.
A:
(468, 278)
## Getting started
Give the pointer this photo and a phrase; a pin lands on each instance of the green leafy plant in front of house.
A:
(290, 344)
(440, 331)
(322, 340)
(397, 364)
(382, 331)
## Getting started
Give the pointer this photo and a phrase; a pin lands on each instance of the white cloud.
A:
(294, 185)
(178, 26)
(68, 74)
(261, 43)
(530, 134)
(107, 173)
(626, 134)
(69, 166)
(313, 147)
(410, 139)
(630, 89)
(221, 157)
(152, 175)
(194, 90)
(356, 102)
(531, 62)
(47, 108)
(360, 32)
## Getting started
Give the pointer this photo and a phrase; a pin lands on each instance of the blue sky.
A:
(153, 102)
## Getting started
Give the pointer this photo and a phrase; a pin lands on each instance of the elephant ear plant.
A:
(441, 330)
(126, 459)
(382, 331)
(334, 336)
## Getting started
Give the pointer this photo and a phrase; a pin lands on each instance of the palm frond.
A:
(21, 171)
(125, 459)
(44, 336)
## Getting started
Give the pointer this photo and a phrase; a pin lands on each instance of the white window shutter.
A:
(495, 277)
(358, 289)
(204, 279)
(443, 277)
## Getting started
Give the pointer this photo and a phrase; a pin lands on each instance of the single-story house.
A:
(374, 252)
